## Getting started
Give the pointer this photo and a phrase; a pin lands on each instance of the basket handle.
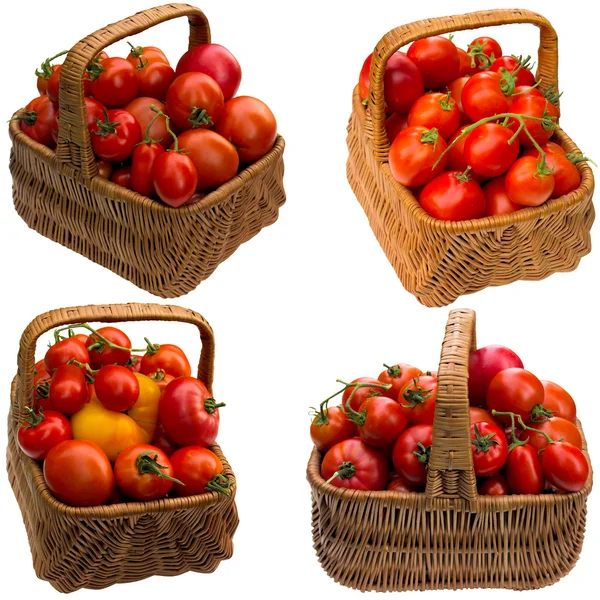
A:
(108, 313)
(392, 41)
(74, 145)
(451, 474)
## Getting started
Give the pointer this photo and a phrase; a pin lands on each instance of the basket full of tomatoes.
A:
(154, 171)
(112, 453)
(458, 160)
(472, 476)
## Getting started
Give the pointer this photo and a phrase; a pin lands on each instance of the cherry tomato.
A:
(122, 177)
(559, 401)
(63, 351)
(417, 399)
(200, 471)
(565, 466)
(394, 124)
(528, 182)
(437, 59)
(484, 50)
(331, 426)
(483, 96)
(146, 55)
(115, 137)
(465, 64)
(41, 431)
(397, 484)
(216, 61)
(398, 377)
(514, 390)
(102, 354)
(168, 357)
(413, 154)
(37, 120)
(489, 447)
(411, 454)
(523, 471)
(140, 109)
(144, 472)
(356, 466)
(174, 178)
(435, 110)
(496, 198)
(557, 428)
(566, 175)
(534, 106)
(380, 421)
(514, 66)
(105, 169)
(78, 473)
(68, 389)
(142, 162)
(362, 393)
(488, 151)
(155, 79)
(478, 414)
(116, 83)
(43, 75)
(162, 441)
(116, 387)
(455, 88)
(495, 485)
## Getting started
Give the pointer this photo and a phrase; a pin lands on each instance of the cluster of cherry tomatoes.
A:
(523, 431)
(172, 134)
(478, 142)
(111, 426)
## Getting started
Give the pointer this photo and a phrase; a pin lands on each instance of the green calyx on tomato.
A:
(577, 157)
(33, 418)
(199, 116)
(543, 170)
(483, 443)
(423, 453)
(148, 464)
(211, 405)
(447, 102)
(345, 471)
(321, 415)
(415, 396)
(552, 95)
(158, 375)
(151, 348)
(42, 389)
(221, 484)
(463, 177)
(394, 371)
(132, 362)
(95, 68)
(106, 127)
(29, 117)
(431, 136)
(475, 51)
(45, 71)
(540, 413)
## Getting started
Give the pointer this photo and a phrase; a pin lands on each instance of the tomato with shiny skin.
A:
(514, 390)
(41, 430)
(528, 182)
(142, 163)
(457, 160)
(163, 441)
(155, 79)
(548, 148)
(63, 351)
(438, 60)
(559, 401)
(362, 393)
(566, 175)
(524, 90)
(174, 178)
(557, 428)
(357, 466)
(397, 484)
(68, 389)
(134, 363)
(140, 109)
(331, 426)
(488, 151)
(465, 64)
(102, 354)
(116, 387)
(122, 177)
(495, 485)
(478, 414)
(380, 421)
(523, 471)
(411, 454)
(533, 106)
(394, 124)
(146, 55)
(497, 201)
(413, 154)
(169, 357)
(483, 96)
(161, 379)
(523, 75)
(199, 470)
(145, 410)
(115, 137)
(116, 83)
(44, 73)
(455, 88)
(435, 110)
(484, 50)
(565, 466)
(37, 120)
(489, 447)
(417, 400)
(53, 85)
(398, 377)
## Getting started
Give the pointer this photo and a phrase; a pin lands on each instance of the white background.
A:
(311, 298)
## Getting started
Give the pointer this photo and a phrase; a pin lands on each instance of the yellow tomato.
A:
(145, 411)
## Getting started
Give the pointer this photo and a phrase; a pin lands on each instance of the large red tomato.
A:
(398, 377)
(567, 177)
(559, 401)
(485, 95)
(529, 182)
(518, 68)
(380, 421)
(411, 454)
(37, 120)
(115, 137)
(174, 178)
(63, 351)
(200, 471)
(514, 390)
(437, 59)
(565, 466)
(557, 428)
(41, 431)
(489, 447)
(140, 109)
(484, 50)
(115, 82)
(540, 108)
(417, 399)
(168, 357)
(488, 151)
(330, 427)
(435, 110)
(68, 389)
(116, 387)
(155, 79)
(496, 198)
(102, 353)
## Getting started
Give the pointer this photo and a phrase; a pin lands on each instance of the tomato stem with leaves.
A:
(483, 443)
(149, 139)
(322, 413)
(423, 453)
(46, 70)
(356, 386)
(220, 484)
(159, 113)
(345, 471)
(540, 414)
(415, 396)
(33, 418)
(100, 338)
(524, 427)
(148, 464)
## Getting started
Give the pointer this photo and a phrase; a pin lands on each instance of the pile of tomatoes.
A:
(470, 131)
(523, 431)
(172, 134)
(112, 426)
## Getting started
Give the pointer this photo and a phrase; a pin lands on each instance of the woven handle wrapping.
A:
(74, 145)
(392, 41)
(451, 473)
(110, 313)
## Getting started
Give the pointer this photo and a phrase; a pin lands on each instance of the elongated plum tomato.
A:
(488, 151)
(539, 108)
(380, 421)
(362, 393)
(169, 357)
(435, 110)
(41, 430)
(398, 377)
(497, 201)
(529, 182)
(142, 164)
(567, 177)
(174, 178)
(565, 466)
(355, 466)
(482, 96)
(413, 154)
(523, 471)
(438, 60)
(494, 486)
(559, 401)
(522, 74)
(331, 426)
(102, 353)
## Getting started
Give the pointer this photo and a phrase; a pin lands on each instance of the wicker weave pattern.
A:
(163, 250)
(438, 261)
(95, 547)
(448, 537)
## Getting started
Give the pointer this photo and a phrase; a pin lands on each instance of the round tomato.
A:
(525, 90)
(354, 465)
(115, 137)
(517, 67)
(155, 79)
(63, 351)
(539, 108)
(523, 471)
(438, 60)
(198, 470)
(146, 55)
(78, 473)
(496, 198)
(566, 175)
(362, 393)
(102, 353)
(37, 120)
(380, 421)
(41, 431)
(484, 95)
(548, 148)
(144, 115)
(122, 177)
(557, 428)
(495, 485)
(488, 151)
(514, 390)
(417, 400)
(116, 387)
(162, 441)
(413, 155)
(529, 182)
(145, 410)
(161, 379)
(565, 466)
(477, 414)
(455, 88)
(435, 110)
(68, 389)
(394, 124)
(411, 454)
(331, 426)
(489, 447)
(114, 82)
(398, 377)
(397, 484)
(484, 50)
(559, 401)
(457, 160)
(174, 177)
(465, 64)
(168, 357)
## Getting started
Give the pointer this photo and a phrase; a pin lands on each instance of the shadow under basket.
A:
(438, 261)
(98, 546)
(448, 537)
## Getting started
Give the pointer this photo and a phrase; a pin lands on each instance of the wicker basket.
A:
(448, 537)
(438, 261)
(94, 547)
(166, 251)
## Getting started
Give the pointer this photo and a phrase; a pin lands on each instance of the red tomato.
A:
(115, 82)
(155, 79)
(188, 413)
(484, 364)
(489, 447)
(435, 110)
(488, 151)
(540, 108)
(397, 484)
(514, 390)
(200, 471)
(122, 177)
(559, 401)
(216, 61)
(398, 376)
(411, 454)
(142, 164)
(566, 175)
(455, 88)
(134, 363)
(465, 64)
(496, 199)
(361, 393)
(380, 421)
(494, 486)
(115, 137)
(548, 148)
(457, 160)
(144, 473)
(354, 465)
(525, 90)
(140, 109)
(565, 466)
(528, 182)
(68, 389)
(116, 387)
(62, 352)
(478, 414)
(437, 59)
(417, 400)
(39, 371)
(518, 68)
(394, 124)
(331, 426)
(163, 442)
(146, 55)
(483, 96)
(194, 100)
(105, 169)
(174, 178)
(557, 428)
(168, 357)
(53, 85)
(413, 154)
(102, 354)
(484, 50)
(41, 431)
(161, 379)
(523, 471)
(37, 120)
(45, 72)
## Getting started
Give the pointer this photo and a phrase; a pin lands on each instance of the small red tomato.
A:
(398, 377)
(105, 169)
(397, 484)
(142, 162)
(63, 351)
(134, 363)
(529, 182)
(496, 199)
(161, 379)
(484, 50)
(362, 392)
(102, 354)
(514, 390)
(115, 137)
(483, 96)
(41, 431)
(394, 124)
(566, 175)
(494, 486)
(488, 151)
(155, 79)
(438, 60)
(411, 454)
(122, 177)
(523, 471)
(559, 401)
(565, 466)
(417, 399)
(199, 470)
(435, 110)
(517, 67)
(331, 426)
(539, 108)
(114, 82)
(168, 357)
(174, 178)
(53, 86)
(557, 428)
(380, 421)
(489, 447)
(37, 120)
(68, 389)
(116, 387)
(146, 55)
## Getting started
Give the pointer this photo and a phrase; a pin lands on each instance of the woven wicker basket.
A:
(448, 537)
(438, 261)
(166, 251)
(94, 547)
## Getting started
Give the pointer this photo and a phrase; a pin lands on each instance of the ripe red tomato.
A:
(174, 178)
(465, 64)
(524, 90)
(102, 354)
(411, 454)
(37, 120)
(188, 413)
(168, 357)
(557, 428)
(566, 175)
(105, 169)
(199, 470)
(398, 377)
(331, 426)
(115, 137)
(249, 125)
(216, 61)
(417, 399)
(478, 415)
(484, 50)
(53, 85)
(63, 351)
(394, 124)
(140, 109)
(41, 431)
(144, 472)
(488, 151)
(163, 442)
(44, 73)
(357, 466)
(457, 160)
(68, 389)
(528, 182)
(146, 55)
(380, 421)
(489, 447)
(142, 163)
(134, 363)
(437, 59)
(496, 198)
(194, 100)
(397, 484)
(161, 379)
(559, 401)
(362, 393)
(516, 67)
(565, 466)
(79, 473)
(122, 177)
(483, 96)
(548, 148)
(534, 106)
(155, 79)
(514, 390)
(523, 471)
(116, 387)
(494, 486)
(455, 88)
(115, 82)
(435, 110)
(413, 154)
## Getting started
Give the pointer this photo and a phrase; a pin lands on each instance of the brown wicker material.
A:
(438, 261)
(166, 251)
(447, 537)
(94, 547)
